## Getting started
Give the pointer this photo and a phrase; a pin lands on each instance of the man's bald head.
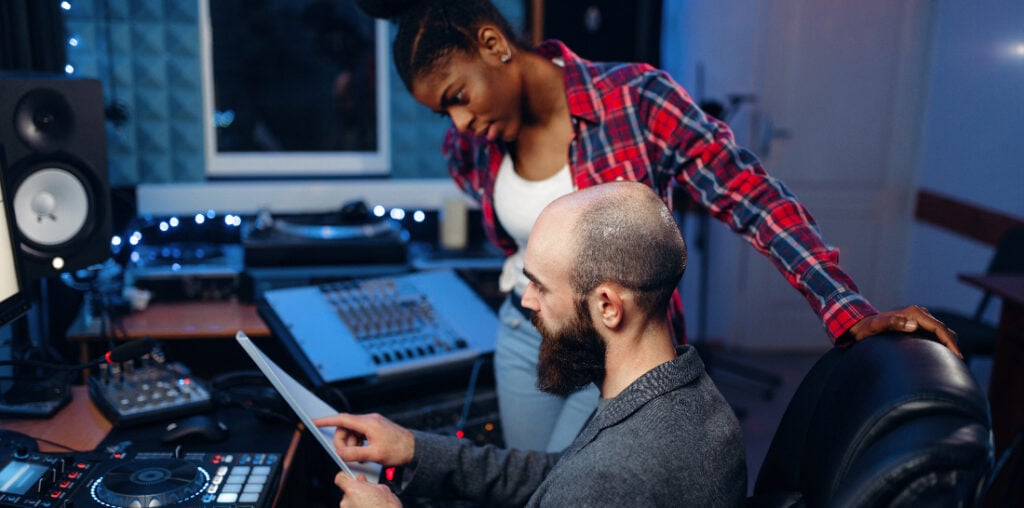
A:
(620, 232)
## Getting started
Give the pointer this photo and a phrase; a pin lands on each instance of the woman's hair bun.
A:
(385, 9)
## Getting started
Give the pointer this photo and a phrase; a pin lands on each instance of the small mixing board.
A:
(152, 390)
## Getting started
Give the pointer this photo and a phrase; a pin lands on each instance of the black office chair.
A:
(893, 420)
(974, 335)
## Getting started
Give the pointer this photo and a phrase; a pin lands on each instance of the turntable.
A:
(350, 235)
(157, 482)
(144, 479)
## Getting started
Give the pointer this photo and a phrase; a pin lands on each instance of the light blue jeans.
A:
(530, 418)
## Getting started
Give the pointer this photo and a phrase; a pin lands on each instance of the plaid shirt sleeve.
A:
(700, 154)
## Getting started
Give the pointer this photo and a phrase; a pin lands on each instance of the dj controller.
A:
(30, 478)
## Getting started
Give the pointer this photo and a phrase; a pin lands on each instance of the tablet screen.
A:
(308, 407)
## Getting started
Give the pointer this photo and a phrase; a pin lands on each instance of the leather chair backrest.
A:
(894, 420)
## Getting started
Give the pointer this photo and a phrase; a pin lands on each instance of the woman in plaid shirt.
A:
(530, 125)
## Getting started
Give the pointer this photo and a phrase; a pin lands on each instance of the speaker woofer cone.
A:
(52, 206)
(44, 120)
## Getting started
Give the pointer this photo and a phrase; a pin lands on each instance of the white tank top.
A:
(517, 203)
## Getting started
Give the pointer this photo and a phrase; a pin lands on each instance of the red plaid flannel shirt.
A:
(634, 122)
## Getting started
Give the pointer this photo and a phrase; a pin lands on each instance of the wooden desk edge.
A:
(179, 320)
(80, 425)
(1006, 286)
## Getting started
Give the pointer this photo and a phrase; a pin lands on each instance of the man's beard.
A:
(572, 357)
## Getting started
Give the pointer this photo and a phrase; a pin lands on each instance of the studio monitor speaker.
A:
(53, 156)
(606, 30)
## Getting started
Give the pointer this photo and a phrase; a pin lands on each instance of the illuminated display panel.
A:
(13, 298)
(18, 477)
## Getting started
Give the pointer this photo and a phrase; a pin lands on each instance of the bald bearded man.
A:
(662, 434)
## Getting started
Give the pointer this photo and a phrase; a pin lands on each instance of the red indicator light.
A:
(460, 434)
(389, 473)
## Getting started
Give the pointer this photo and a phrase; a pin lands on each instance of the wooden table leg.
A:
(1006, 399)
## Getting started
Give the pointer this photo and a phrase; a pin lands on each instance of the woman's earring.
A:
(506, 57)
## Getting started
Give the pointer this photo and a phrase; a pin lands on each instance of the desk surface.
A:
(179, 320)
(1008, 287)
(79, 425)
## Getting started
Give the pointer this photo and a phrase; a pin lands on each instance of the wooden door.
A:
(842, 90)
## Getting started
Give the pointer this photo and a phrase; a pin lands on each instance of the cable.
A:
(58, 445)
(116, 111)
(22, 377)
(45, 336)
(470, 392)
(38, 363)
(98, 283)
(1004, 459)
(334, 394)
(125, 352)
(252, 391)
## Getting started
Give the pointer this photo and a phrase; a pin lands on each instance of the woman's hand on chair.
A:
(908, 319)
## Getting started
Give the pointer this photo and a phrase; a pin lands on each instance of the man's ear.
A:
(492, 42)
(609, 306)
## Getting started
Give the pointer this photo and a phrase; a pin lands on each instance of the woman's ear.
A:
(493, 44)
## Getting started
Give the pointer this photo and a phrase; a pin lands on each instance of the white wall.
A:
(973, 140)
(720, 37)
(972, 135)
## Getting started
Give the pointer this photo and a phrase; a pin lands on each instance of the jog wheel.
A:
(150, 483)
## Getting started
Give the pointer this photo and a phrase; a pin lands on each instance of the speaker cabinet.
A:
(53, 155)
(604, 30)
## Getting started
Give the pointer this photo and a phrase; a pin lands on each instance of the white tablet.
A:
(308, 407)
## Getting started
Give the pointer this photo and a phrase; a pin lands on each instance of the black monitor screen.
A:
(294, 87)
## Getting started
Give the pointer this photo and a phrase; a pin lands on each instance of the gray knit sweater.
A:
(669, 439)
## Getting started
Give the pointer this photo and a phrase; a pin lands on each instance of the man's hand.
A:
(907, 319)
(361, 493)
(386, 442)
